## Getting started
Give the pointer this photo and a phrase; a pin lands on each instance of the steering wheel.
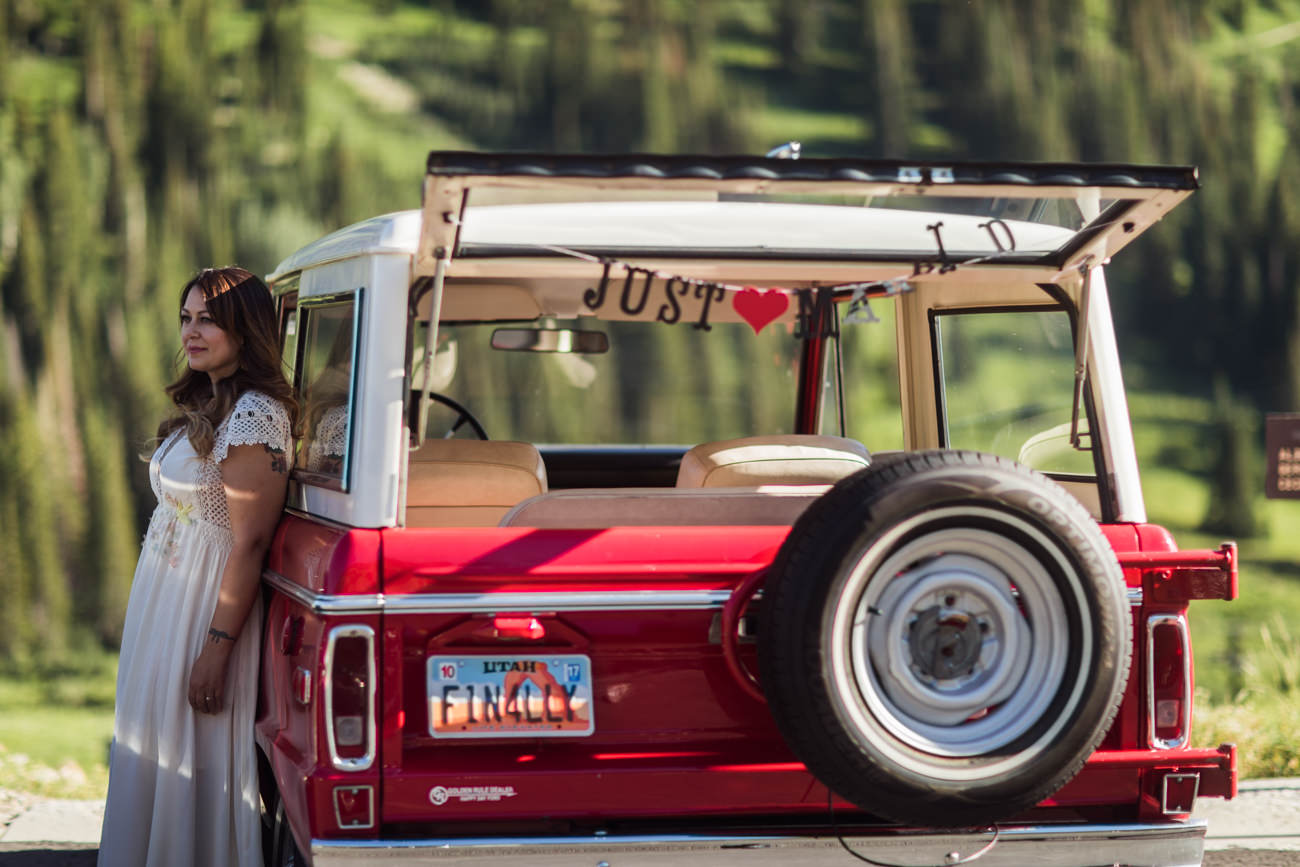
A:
(463, 415)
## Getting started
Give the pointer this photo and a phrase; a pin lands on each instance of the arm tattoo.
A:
(278, 464)
(215, 635)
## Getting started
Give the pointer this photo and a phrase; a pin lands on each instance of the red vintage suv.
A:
(733, 510)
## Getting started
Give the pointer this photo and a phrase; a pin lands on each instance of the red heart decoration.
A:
(760, 308)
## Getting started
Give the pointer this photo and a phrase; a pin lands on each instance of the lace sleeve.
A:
(256, 418)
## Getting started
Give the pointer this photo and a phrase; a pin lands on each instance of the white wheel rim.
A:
(904, 605)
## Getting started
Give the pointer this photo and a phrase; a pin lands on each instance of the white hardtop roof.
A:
(397, 233)
(797, 230)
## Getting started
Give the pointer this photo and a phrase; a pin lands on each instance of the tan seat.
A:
(470, 483)
(790, 459)
(587, 508)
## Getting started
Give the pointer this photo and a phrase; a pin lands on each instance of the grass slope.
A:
(56, 728)
(1247, 652)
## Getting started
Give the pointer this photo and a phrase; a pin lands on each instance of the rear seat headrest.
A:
(789, 459)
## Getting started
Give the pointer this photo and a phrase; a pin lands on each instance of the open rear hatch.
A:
(1054, 216)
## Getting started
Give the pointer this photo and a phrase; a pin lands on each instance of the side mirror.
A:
(566, 340)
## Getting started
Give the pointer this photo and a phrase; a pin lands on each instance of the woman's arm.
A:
(255, 477)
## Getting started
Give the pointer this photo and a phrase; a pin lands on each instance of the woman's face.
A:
(209, 347)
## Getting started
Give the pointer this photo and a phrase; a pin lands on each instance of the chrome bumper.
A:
(1172, 844)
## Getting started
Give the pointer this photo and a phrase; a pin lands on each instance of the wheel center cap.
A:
(945, 644)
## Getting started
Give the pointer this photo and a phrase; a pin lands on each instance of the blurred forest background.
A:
(143, 139)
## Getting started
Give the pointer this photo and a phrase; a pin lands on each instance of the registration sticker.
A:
(510, 696)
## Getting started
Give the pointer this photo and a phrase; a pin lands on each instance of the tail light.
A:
(350, 696)
(1169, 681)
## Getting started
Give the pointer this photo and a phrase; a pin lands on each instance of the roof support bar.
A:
(1081, 356)
(431, 340)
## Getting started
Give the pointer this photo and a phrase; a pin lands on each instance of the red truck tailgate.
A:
(642, 606)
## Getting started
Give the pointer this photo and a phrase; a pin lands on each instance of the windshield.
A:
(656, 385)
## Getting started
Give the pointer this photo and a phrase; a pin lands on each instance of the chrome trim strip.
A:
(312, 600)
(1178, 622)
(603, 600)
(1172, 844)
(351, 630)
(491, 603)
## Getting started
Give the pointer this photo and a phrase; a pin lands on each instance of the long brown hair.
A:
(241, 305)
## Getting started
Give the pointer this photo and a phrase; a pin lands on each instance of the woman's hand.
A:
(208, 676)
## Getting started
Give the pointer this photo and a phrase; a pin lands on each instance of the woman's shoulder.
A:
(256, 418)
(254, 403)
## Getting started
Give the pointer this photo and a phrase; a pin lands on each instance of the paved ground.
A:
(83, 855)
(1264, 815)
(1260, 828)
(54, 820)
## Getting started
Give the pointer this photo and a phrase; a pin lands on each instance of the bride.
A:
(182, 773)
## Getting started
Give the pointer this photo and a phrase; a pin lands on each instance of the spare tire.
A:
(945, 638)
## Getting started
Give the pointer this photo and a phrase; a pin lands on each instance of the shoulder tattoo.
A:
(278, 463)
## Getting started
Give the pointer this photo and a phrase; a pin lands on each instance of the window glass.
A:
(830, 402)
(1008, 386)
(327, 344)
(873, 411)
(656, 384)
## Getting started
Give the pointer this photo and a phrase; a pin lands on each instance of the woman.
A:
(183, 778)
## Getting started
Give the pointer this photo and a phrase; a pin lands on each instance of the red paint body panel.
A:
(490, 559)
(324, 558)
(675, 733)
(286, 730)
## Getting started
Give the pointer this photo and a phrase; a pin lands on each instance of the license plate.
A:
(510, 696)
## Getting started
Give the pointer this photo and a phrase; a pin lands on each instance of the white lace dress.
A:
(183, 785)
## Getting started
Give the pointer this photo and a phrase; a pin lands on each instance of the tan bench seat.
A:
(589, 508)
(470, 483)
(790, 459)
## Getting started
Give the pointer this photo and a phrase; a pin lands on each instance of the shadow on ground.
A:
(48, 854)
